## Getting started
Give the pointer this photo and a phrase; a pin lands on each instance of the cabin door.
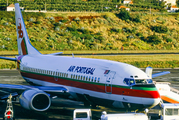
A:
(109, 78)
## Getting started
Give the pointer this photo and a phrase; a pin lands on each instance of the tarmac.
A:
(62, 109)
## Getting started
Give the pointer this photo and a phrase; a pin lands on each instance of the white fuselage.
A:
(97, 79)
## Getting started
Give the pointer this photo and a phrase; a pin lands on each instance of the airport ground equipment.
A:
(9, 114)
(168, 94)
(82, 114)
(124, 116)
(170, 111)
(167, 111)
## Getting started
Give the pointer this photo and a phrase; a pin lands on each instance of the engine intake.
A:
(35, 99)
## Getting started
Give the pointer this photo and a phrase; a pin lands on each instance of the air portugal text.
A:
(79, 69)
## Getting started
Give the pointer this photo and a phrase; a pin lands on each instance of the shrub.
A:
(153, 39)
(115, 30)
(38, 22)
(169, 40)
(124, 14)
(127, 30)
(139, 34)
(159, 29)
(136, 19)
(72, 28)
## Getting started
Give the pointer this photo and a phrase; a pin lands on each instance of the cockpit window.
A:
(149, 81)
(140, 81)
(129, 81)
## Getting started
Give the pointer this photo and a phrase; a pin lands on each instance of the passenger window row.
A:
(47, 72)
(85, 78)
(60, 74)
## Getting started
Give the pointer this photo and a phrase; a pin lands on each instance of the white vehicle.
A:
(124, 116)
(92, 81)
(170, 111)
(82, 114)
(168, 94)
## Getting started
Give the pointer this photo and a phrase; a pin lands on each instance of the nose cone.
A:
(150, 102)
(153, 100)
(150, 96)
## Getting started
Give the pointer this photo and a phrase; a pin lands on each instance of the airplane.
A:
(92, 81)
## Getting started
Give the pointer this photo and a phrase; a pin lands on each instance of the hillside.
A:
(92, 31)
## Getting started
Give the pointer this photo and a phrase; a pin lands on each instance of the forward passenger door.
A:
(109, 78)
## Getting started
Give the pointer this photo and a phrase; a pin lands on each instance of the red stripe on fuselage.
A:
(94, 87)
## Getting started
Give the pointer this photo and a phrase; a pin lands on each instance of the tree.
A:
(177, 2)
(124, 14)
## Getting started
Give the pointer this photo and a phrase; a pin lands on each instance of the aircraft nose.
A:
(152, 101)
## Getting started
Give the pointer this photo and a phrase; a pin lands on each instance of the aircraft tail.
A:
(24, 45)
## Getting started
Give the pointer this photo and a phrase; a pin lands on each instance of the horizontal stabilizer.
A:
(55, 53)
(160, 74)
(7, 58)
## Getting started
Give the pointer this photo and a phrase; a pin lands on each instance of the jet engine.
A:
(35, 99)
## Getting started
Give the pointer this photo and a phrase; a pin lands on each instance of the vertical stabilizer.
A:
(24, 45)
(148, 71)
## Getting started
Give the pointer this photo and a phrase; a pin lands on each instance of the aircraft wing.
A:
(19, 89)
(55, 53)
(7, 58)
(160, 74)
(149, 70)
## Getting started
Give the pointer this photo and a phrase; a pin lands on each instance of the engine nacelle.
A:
(35, 99)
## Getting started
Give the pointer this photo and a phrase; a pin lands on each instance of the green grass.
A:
(141, 61)
(96, 51)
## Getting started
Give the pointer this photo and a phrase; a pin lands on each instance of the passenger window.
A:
(95, 79)
(86, 78)
(89, 78)
(92, 79)
(98, 79)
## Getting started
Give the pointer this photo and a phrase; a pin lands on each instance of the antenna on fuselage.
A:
(72, 55)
